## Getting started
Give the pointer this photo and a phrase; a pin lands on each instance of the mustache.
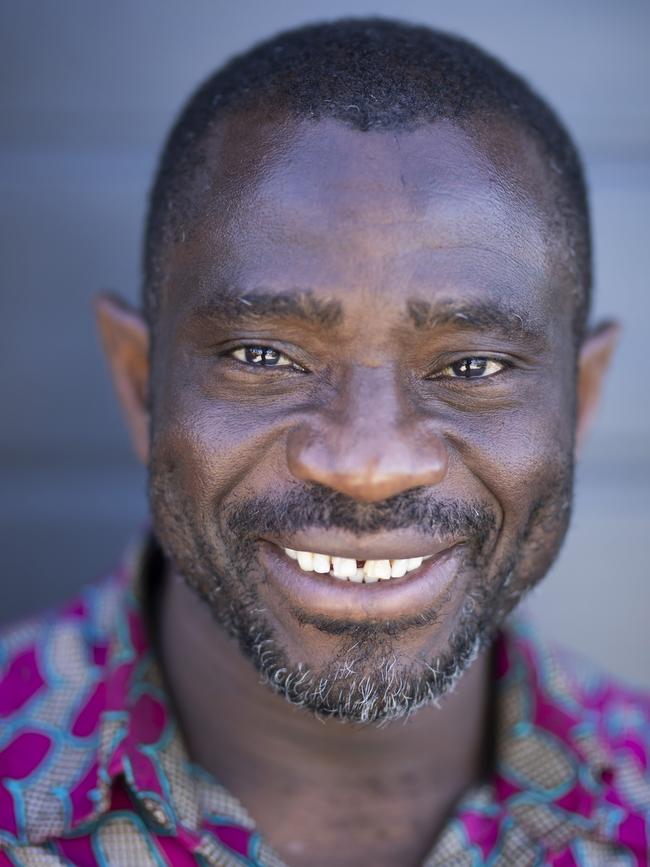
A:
(315, 506)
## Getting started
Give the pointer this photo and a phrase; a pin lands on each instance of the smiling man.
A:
(360, 378)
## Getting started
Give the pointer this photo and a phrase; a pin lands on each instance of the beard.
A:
(367, 678)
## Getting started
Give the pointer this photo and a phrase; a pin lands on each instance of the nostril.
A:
(369, 467)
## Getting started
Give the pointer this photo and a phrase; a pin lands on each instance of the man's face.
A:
(364, 350)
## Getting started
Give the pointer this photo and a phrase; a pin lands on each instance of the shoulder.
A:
(55, 654)
(600, 724)
(619, 713)
(572, 749)
(619, 710)
(568, 693)
(52, 671)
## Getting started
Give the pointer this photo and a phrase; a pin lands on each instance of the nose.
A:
(370, 446)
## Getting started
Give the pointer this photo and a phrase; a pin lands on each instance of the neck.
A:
(305, 780)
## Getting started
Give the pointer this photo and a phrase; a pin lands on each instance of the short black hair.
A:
(372, 74)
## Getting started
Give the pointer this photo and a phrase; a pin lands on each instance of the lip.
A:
(326, 596)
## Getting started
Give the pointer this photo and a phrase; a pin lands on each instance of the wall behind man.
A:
(87, 91)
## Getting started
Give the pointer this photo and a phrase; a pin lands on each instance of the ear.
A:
(593, 362)
(125, 338)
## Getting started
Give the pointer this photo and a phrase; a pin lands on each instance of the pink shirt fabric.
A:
(94, 772)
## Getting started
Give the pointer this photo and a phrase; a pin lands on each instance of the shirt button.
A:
(156, 812)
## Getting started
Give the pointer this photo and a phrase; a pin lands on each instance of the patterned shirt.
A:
(94, 771)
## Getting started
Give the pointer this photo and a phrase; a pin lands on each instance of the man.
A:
(360, 378)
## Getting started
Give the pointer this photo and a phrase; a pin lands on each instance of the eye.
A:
(473, 368)
(263, 356)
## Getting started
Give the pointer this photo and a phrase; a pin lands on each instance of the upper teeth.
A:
(347, 569)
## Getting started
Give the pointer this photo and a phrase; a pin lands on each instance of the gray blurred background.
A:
(87, 92)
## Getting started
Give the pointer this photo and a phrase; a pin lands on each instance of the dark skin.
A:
(398, 256)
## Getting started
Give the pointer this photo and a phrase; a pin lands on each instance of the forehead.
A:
(440, 210)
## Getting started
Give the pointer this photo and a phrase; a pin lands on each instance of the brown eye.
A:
(473, 368)
(262, 356)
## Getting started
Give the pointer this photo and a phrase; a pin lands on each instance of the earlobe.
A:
(124, 336)
(593, 362)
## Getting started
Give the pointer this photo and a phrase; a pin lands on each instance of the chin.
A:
(367, 674)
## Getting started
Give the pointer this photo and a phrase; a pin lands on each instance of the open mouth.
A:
(362, 588)
(357, 571)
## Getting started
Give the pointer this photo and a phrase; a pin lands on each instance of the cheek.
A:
(519, 455)
(215, 446)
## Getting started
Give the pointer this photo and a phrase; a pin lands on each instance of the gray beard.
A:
(347, 691)
(365, 681)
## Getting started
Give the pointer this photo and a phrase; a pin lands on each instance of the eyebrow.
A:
(305, 305)
(302, 304)
(484, 316)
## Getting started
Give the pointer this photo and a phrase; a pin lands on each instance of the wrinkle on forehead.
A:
(302, 192)
(299, 179)
(298, 165)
